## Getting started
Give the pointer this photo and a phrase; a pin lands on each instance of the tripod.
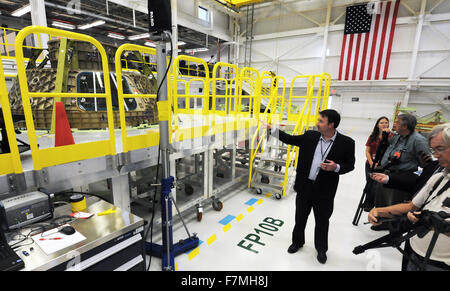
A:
(430, 221)
(382, 147)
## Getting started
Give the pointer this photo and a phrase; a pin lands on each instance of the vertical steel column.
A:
(166, 181)
(412, 69)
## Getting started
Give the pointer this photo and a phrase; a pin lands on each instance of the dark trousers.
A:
(322, 206)
(369, 202)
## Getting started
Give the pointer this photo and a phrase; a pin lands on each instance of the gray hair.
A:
(409, 120)
(444, 128)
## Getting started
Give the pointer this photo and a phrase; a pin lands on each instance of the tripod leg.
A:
(378, 243)
(359, 210)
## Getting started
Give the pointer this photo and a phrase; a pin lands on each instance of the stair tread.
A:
(269, 173)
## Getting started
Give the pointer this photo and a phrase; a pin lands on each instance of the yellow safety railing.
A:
(226, 75)
(151, 138)
(7, 48)
(203, 82)
(271, 105)
(9, 162)
(250, 77)
(60, 155)
(254, 150)
(270, 88)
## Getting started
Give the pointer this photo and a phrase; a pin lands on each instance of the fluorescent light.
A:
(93, 24)
(180, 43)
(63, 25)
(116, 35)
(150, 44)
(22, 11)
(139, 36)
(196, 50)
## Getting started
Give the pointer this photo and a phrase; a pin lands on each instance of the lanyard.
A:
(326, 150)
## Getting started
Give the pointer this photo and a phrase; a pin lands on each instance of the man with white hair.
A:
(431, 198)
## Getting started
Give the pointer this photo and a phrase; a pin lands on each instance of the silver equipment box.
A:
(25, 209)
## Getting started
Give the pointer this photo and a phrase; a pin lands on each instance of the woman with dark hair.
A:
(382, 125)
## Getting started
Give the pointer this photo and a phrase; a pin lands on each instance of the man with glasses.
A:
(431, 198)
(402, 157)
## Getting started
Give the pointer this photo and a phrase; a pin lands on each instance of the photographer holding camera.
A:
(401, 159)
(430, 198)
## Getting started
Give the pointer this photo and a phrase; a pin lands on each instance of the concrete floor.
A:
(225, 236)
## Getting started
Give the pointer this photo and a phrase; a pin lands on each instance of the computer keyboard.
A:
(9, 260)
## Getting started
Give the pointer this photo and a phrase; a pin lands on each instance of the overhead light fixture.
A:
(197, 50)
(139, 36)
(22, 11)
(150, 44)
(180, 43)
(63, 25)
(90, 25)
(116, 35)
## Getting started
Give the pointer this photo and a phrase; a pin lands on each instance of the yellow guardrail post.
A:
(59, 155)
(9, 162)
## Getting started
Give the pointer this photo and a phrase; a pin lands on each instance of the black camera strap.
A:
(435, 186)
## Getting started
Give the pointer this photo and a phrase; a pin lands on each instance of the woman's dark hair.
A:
(376, 131)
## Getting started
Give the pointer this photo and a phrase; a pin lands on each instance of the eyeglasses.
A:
(438, 150)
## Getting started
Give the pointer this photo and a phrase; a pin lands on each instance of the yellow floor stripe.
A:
(212, 239)
(193, 254)
(239, 217)
(259, 201)
(226, 227)
(250, 209)
(176, 267)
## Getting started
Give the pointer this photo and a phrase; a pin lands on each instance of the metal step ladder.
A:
(269, 172)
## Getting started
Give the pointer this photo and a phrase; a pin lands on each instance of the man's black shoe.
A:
(382, 226)
(322, 257)
(294, 248)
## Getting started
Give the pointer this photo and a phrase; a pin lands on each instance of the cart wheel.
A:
(188, 189)
(258, 191)
(278, 196)
(265, 180)
(199, 212)
(217, 205)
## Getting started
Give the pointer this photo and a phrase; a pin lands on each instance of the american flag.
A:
(367, 43)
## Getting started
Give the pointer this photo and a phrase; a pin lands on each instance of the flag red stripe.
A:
(363, 63)
(374, 44)
(349, 56)
(355, 65)
(383, 38)
(394, 22)
(342, 56)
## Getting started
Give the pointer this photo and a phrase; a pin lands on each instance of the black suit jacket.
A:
(342, 152)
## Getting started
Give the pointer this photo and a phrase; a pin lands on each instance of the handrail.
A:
(204, 80)
(137, 141)
(9, 162)
(253, 152)
(59, 155)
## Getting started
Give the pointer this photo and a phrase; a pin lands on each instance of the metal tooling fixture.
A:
(168, 250)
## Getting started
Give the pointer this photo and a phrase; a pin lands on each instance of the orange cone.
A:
(63, 134)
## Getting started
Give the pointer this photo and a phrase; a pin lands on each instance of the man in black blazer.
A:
(324, 155)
